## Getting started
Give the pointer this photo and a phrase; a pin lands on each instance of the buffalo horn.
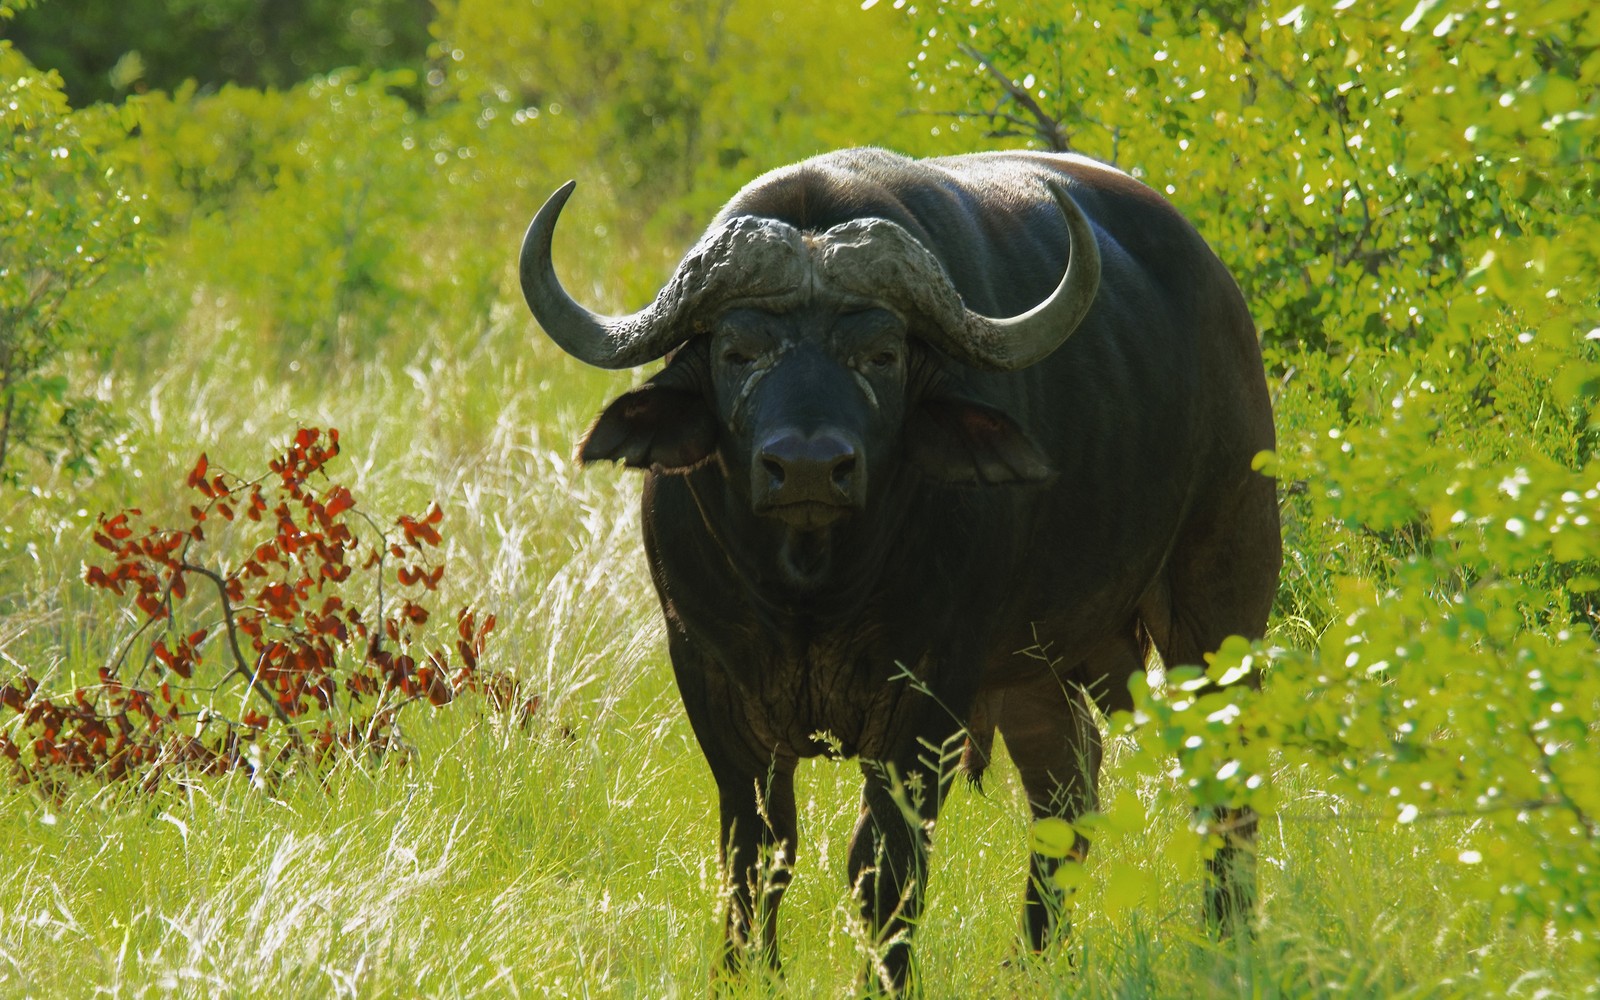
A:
(744, 258)
(1019, 341)
(602, 341)
(878, 257)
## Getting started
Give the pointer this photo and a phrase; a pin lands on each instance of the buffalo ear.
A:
(655, 426)
(958, 441)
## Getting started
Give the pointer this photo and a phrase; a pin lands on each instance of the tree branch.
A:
(1045, 126)
(251, 678)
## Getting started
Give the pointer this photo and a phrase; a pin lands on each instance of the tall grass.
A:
(511, 862)
(574, 855)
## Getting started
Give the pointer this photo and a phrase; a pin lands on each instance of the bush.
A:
(1407, 195)
(301, 207)
(107, 51)
(66, 222)
(298, 639)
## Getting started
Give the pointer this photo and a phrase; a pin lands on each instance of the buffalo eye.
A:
(886, 358)
(735, 358)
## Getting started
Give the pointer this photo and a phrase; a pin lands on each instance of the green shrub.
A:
(1407, 195)
(108, 51)
(66, 221)
(301, 206)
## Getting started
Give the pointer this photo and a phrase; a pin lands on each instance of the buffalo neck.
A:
(830, 574)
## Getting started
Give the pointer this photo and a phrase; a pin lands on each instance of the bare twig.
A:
(251, 677)
(1045, 125)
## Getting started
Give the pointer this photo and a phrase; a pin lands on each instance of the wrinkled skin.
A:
(863, 546)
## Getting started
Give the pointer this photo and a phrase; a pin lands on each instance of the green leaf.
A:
(1052, 837)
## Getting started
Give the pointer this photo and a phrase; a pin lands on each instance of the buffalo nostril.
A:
(824, 467)
(842, 472)
(774, 469)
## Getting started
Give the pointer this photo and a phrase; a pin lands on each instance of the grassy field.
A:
(575, 855)
(1407, 197)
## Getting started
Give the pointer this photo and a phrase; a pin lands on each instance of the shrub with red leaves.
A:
(295, 628)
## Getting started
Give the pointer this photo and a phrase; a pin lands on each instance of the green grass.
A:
(513, 862)
(576, 856)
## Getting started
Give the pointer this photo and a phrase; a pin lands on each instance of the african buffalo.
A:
(941, 447)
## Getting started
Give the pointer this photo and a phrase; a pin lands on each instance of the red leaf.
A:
(439, 692)
(339, 501)
(198, 476)
(14, 698)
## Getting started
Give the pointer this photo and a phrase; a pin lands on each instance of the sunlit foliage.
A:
(108, 51)
(1410, 197)
(66, 219)
(1407, 192)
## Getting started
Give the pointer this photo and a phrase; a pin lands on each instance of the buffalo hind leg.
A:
(1221, 581)
(1050, 731)
(1230, 891)
(759, 836)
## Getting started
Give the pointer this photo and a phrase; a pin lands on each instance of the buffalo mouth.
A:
(808, 515)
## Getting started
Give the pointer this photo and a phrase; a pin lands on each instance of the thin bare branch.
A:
(1045, 126)
(251, 677)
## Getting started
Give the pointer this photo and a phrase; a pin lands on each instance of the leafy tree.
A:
(330, 181)
(106, 51)
(66, 221)
(680, 101)
(1350, 164)
(1407, 194)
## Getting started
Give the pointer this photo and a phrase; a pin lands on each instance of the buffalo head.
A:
(802, 364)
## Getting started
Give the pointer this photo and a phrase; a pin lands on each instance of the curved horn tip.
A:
(552, 207)
(1007, 344)
(598, 340)
(562, 193)
(1079, 225)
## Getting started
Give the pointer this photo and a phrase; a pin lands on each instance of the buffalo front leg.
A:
(758, 846)
(888, 862)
